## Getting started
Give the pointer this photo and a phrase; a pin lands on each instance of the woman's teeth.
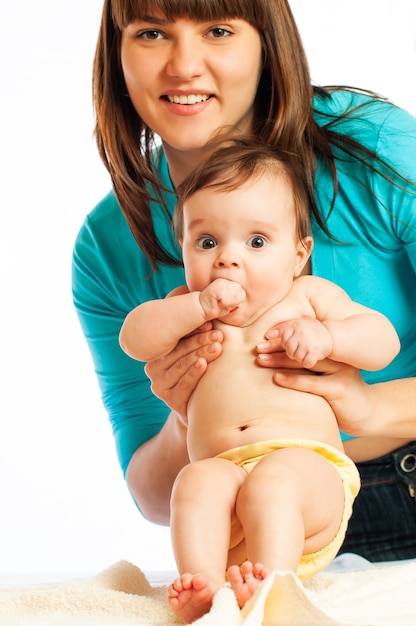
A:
(191, 99)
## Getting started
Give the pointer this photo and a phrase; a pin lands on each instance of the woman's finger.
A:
(175, 376)
(168, 370)
(187, 351)
(280, 360)
(328, 379)
(177, 397)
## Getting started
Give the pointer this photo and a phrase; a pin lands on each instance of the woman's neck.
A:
(181, 163)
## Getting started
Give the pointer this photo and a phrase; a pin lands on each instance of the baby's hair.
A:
(231, 162)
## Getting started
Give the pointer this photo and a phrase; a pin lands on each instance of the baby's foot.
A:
(190, 596)
(245, 580)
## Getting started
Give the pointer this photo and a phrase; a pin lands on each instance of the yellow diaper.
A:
(248, 456)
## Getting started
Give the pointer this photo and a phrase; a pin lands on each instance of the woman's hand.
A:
(342, 386)
(175, 376)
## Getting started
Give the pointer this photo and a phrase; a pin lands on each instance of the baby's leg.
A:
(202, 505)
(290, 504)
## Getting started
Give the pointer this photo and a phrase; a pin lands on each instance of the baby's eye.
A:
(257, 241)
(206, 243)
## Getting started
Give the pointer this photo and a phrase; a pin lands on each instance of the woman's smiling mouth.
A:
(187, 99)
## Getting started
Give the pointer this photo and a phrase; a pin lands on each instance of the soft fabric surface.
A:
(122, 596)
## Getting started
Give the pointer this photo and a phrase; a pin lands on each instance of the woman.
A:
(183, 70)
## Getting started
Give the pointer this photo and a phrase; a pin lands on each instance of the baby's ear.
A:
(304, 251)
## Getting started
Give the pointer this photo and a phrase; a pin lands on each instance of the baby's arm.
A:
(343, 330)
(153, 329)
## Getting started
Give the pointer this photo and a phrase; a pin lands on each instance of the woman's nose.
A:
(185, 59)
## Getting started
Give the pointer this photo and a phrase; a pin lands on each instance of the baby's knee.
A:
(195, 476)
(201, 479)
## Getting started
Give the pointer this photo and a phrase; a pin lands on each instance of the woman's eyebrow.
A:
(151, 19)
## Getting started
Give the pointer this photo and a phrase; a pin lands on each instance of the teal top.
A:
(373, 259)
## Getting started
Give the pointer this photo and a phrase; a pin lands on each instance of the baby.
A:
(268, 486)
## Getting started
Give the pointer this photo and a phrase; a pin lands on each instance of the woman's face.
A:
(187, 79)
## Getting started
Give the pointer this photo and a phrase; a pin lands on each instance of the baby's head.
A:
(233, 162)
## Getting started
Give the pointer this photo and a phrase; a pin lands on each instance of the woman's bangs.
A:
(125, 12)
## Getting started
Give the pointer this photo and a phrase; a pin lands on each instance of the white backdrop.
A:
(64, 504)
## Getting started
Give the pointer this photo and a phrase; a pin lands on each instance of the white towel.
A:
(122, 596)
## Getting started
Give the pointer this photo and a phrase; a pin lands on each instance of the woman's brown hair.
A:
(283, 111)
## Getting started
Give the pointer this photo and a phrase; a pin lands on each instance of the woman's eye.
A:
(206, 243)
(150, 35)
(218, 32)
(257, 241)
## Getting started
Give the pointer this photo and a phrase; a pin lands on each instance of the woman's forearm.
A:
(154, 467)
(389, 424)
(393, 409)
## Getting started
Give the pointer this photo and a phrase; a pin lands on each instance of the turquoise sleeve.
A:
(108, 281)
(373, 222)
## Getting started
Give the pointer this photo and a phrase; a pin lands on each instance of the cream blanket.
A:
(122, 596)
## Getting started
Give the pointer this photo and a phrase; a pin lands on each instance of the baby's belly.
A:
(231, 409)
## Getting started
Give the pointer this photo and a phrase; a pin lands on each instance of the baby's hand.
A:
(305, 340)
(220, 298)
